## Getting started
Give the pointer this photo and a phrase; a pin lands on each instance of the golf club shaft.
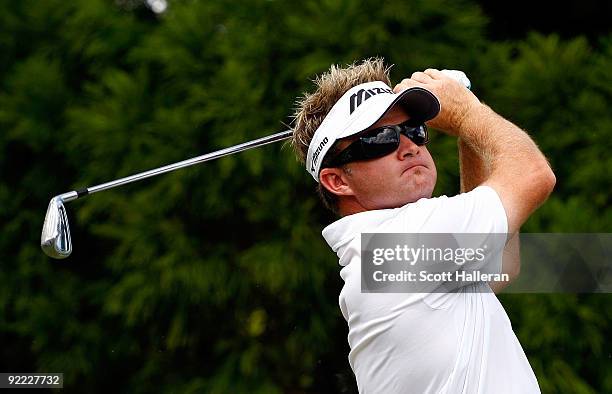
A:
(73, 195)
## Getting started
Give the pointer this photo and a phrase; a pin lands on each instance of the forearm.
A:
(500, 145)
(473, 171)
(472, 168)
(513, 164)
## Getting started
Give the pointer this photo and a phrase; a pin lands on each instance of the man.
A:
(365, 146)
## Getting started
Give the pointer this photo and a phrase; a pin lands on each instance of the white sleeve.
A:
(477, 211)
(484, 211)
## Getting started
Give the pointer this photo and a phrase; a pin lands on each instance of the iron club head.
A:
(55, 238)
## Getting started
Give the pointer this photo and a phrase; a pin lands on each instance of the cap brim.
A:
(419, 103)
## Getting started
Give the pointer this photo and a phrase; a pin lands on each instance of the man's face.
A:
(403, 176)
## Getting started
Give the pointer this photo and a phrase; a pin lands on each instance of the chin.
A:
(426, 188)
(425, 191)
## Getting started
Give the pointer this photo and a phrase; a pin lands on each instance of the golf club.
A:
(55, 238)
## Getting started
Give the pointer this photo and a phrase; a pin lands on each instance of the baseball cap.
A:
(359, 108)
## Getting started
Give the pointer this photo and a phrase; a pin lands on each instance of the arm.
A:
(472, 168)
(515, 167)
(473, 172)
(519, 172)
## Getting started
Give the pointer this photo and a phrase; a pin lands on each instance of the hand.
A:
(455, 99)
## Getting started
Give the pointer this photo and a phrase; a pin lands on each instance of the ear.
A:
(335, 180)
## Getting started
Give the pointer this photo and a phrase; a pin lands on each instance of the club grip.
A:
(459, 76)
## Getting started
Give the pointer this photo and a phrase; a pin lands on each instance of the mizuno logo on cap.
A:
(362, 95)
(317, 153)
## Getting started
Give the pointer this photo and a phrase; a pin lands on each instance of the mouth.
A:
(413, 166)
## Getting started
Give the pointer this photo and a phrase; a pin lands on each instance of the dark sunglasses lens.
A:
(380, 143)
(417, 134)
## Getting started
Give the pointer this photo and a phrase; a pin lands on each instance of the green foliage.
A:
(215, 278)
(560, 92)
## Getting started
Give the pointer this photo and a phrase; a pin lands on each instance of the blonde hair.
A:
(312, 108)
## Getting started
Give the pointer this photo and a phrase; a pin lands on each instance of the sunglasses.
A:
(379, 142)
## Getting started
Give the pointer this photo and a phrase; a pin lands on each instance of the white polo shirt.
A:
(429, 343)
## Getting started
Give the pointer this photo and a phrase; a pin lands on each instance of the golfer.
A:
(365, 144)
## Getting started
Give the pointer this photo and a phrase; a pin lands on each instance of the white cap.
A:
(359, 108)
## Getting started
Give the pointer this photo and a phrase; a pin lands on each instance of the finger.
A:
(434, 73)
(405, 84)
(421, 77)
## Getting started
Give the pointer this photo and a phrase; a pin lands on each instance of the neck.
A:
(350, 206)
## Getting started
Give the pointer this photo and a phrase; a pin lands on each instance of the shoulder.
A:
(479, 210)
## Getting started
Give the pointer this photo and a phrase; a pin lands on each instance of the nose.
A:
(407, 148)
